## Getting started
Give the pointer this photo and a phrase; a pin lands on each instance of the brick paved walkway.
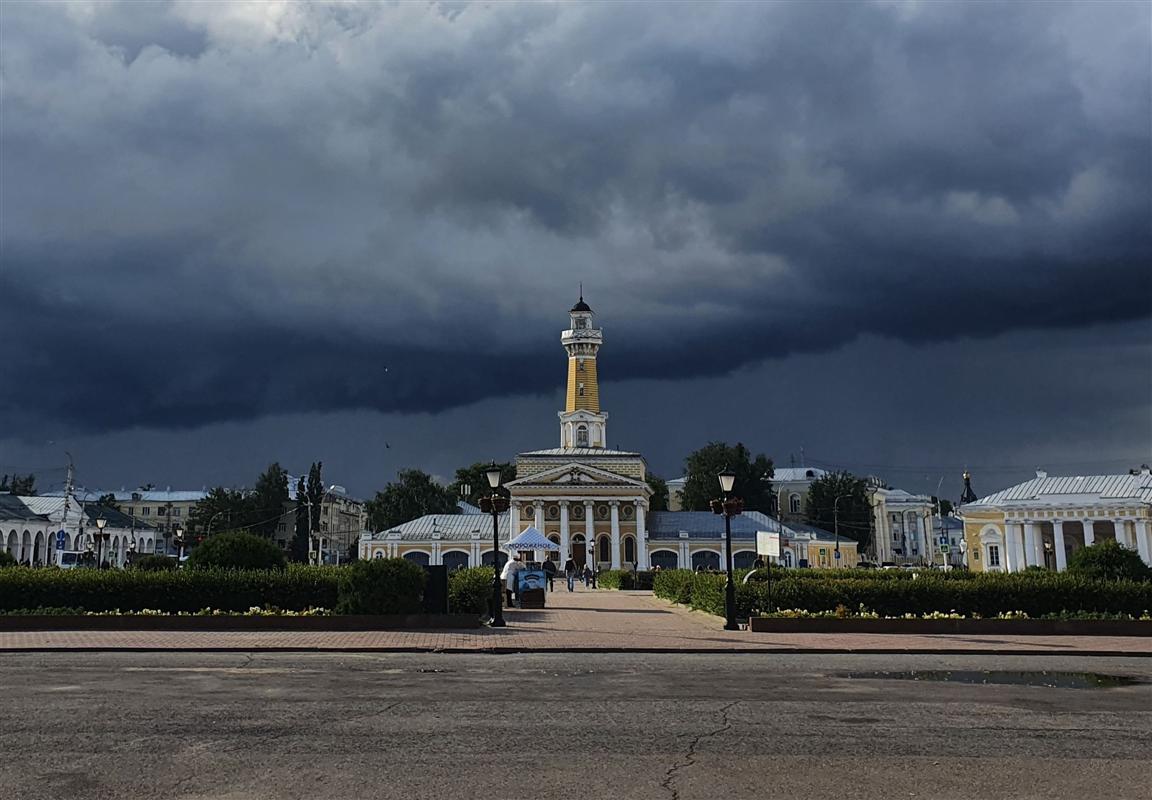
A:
(584, 620)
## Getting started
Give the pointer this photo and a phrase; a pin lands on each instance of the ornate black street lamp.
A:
(836, 526)
(495, 504)
(101, 538)
(729, 507)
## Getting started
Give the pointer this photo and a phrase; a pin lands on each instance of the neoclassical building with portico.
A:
(1042, 522)
(591, 500)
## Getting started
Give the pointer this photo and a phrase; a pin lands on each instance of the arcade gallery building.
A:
(593, 501)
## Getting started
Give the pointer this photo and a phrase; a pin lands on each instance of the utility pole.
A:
(69, 482)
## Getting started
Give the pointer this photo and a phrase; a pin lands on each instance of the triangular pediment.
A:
(576, 474)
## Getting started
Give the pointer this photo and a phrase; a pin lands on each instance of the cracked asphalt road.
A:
(234, 725)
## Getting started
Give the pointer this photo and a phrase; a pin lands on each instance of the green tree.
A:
(236, 550)
(475, 477)
(412, 495)
(219, 510)
(753, 476)
(945, 505)
(24, 485)
(108, 501)
(267, 501)
(300, 543)
(659, 487)
(855, 512)
(1107, 559)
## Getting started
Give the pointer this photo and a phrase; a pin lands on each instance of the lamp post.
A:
(178, 540)
(836, 525)
(729, 507)
(100, 539)
(494, 504)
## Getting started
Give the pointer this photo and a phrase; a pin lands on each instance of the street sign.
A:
(61, 540)
(768, 544)
(945, 549)
(837, 555)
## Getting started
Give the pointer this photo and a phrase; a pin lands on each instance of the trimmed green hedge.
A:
(624, 579)
(470, 590)
(381, 586)
(295, 589)
(986, 595)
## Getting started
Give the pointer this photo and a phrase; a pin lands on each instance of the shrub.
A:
(7, 559)
(1109, 560)
(296, 589)
(470, 590)
(986, 595)
(624, 579)
(153, 563)
(381, 586)
(236, 551)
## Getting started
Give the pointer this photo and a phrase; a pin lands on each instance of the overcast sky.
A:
(905, 237)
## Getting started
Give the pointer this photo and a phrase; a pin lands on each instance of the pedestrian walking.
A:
(570, 573)
(587, 575)
(550, 573)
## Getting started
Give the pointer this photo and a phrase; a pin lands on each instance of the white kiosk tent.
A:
(532, 541)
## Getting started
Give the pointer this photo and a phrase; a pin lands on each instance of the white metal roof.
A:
(789, 474)
(458, 527)
(1078, 489)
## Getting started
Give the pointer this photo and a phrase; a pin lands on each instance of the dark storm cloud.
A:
(220, 212)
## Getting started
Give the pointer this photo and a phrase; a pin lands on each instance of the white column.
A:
(641, 535)
(615, 505)
(1011, 558)
(565, 547)
(926, 538)
(1089, 535)
(1030, 551)
(539, 520)
(1144, 541)
(436, 553)
(514, 519)
(589, 532)
(1058, 545)
(1121, 528)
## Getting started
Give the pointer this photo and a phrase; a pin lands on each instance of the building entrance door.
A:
(579, 551)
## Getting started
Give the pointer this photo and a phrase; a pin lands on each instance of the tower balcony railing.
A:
(582, 335)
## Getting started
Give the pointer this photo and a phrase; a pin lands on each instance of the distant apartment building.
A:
(342, 518)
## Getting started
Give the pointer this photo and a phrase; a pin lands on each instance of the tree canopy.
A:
(475, 477)
(659, 487)
(268, 499)
(220, 509)
(753, 476)
(108, 501)
(24, 485)
(855, 510)
(1107, 559)
(412, 495)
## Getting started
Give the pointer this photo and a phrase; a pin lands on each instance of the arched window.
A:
(786, 557)
(555, 539)
(582, 436)
(706, 559)
(629, 550)
(418, 558)
(743, 559)
(794, 503)
(455, 559)
(603, 549)
(486, 558)
(665, 559)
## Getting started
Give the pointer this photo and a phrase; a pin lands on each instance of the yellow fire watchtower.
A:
(582, 424)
